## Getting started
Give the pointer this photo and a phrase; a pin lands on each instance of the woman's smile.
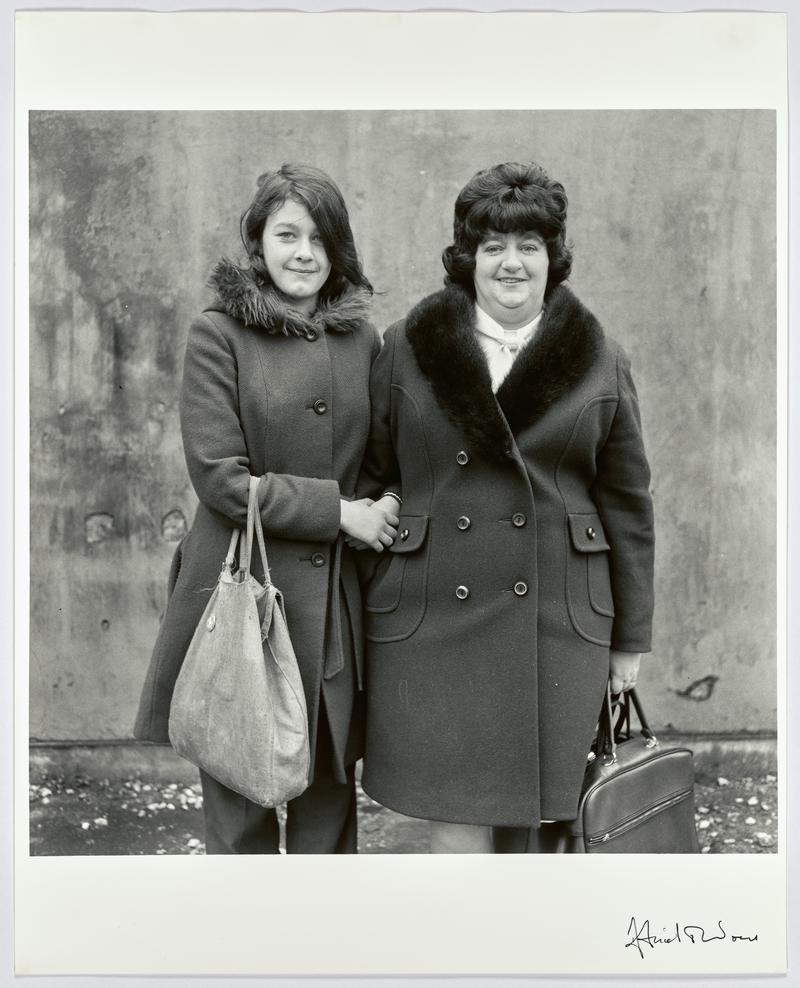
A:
(511, 276)
(295, 255)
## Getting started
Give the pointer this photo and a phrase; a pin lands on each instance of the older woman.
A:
(506, 424)
(276, 386)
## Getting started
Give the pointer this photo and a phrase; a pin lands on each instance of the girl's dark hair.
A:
(321, 196)
(508, 198)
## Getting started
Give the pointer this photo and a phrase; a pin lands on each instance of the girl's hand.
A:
(624, 670)
(365, 522)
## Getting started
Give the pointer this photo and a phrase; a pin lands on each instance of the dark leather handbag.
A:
(638, 793)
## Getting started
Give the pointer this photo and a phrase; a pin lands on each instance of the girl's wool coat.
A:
(525, 551)
(269, 393)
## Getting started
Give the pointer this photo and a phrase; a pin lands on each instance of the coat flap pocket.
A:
(587, 533)
(411, 533)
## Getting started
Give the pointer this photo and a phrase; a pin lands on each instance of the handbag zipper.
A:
(635, 821)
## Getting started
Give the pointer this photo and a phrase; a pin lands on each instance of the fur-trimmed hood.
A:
(441, 332)
(238, 294)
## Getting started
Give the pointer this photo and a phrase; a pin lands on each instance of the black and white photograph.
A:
(404, 482)
(465, 555)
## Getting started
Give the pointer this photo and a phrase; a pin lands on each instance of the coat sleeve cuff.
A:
(631, 645)
(305, 508)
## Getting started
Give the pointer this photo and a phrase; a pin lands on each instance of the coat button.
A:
(518, 519)
(320, 407)
(462, 458)
(591, 532)
(404, 535)
(463, 523)
(317, 559)
(311, 335)
(462, 593)
(520, 588)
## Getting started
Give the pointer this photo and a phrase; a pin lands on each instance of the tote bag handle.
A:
(253, 523)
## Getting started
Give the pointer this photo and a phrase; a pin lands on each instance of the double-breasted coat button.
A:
(312, 335)
(463, 523)
(518, 519)
(404, 535)
(520, 588)
(317, 559)
(591, 532)
(320, 407)
(462, 458)
(462, 593)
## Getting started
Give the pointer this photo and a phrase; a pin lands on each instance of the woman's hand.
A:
(624, 670)
(389, 506)
(366, 524)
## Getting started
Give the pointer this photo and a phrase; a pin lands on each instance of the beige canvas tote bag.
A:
(239, 710)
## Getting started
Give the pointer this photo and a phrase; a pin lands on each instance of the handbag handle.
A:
(606, 741)
(608, 735)
(637, 705)
(253, 523)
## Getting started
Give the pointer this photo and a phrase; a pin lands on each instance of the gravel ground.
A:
(91, 816)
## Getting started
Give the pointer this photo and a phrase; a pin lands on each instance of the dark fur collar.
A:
(239, 295)
(441, 331)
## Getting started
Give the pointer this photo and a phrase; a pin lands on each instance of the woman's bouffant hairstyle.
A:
(321, 196)
(508, 198)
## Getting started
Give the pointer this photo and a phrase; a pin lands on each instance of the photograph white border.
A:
(405, 914)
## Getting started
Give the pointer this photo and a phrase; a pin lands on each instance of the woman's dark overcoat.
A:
(525, 550)
(285, 399)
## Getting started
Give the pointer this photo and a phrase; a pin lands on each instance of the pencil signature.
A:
(640, 935)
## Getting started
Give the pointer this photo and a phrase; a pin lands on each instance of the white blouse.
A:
(501, 346)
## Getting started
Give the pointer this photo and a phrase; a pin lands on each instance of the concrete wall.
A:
(672, 215)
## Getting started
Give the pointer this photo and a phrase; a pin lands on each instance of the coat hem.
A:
(397, 807)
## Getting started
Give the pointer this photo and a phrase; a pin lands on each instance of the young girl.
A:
(276, 386)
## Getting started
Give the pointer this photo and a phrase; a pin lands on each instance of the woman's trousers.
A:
(320, 821)
(549, 838)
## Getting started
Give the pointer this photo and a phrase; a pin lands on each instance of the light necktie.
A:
(501, 362)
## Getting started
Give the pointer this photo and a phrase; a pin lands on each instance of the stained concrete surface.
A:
(672, 217)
